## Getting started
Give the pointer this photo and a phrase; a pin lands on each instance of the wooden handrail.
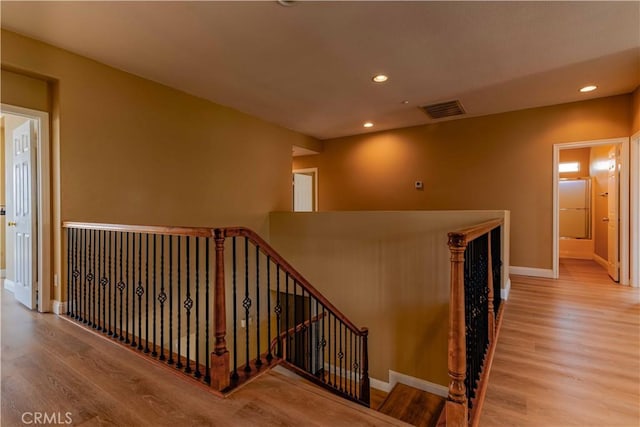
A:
(463, 236)
(149, 229)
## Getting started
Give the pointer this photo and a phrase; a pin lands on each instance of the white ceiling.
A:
(308, 67)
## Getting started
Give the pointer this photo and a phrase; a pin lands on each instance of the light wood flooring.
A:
(568, 353)
(51, 365)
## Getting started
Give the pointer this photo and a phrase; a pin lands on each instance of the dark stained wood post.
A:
(220, 372)
(456, 406)
(365, 387)
(492, 314)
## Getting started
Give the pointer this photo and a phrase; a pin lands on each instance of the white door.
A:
(612, 215)
(24, 193)
(303, 192)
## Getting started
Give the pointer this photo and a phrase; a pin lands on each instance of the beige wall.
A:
(635, 124)
(133, 151)
(387, 271)
(502, 161)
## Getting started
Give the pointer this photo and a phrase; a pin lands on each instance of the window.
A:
(569, 167)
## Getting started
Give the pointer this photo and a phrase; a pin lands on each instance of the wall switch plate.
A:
(419, 185)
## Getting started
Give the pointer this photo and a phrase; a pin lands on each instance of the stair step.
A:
(413, 406)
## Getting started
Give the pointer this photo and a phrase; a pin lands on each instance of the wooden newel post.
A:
(220, 373)
(456, 406)
(365, 388)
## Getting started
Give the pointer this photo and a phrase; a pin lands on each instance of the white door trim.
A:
(634, 154)
(315, 184)
(624, 201)
(44, 201)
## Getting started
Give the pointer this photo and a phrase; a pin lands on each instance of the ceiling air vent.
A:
(443, 109)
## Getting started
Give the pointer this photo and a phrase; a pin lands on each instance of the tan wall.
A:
(599, 154)
(580, 155)
(24, 91)
(387, 271)
(635, 124)
(502, 161)
(133, 151)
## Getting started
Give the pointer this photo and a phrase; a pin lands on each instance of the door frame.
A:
(43, 196)
(624, 201)
(634, 153)
(314, 171)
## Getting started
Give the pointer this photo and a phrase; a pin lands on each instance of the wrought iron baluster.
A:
(90, 276)
(162, 297)
(258, 361)
(154, 265)
(234, 374)
(112, 283)
(309, 333)
(171, 361)
(318, 345)
(246, 303)
(351, 367)
(323, 344)
(133, 297)
(278, 310)
(335, 353)
(140, 291)
(197, 373)
(207, 372)
(95, 277)
(341, 357)
(178, 310)
(127, 293)
(146, 294)
(121, 287)
(269, 355)
(294, 336)
(104, 281)
(286, 319)
(188, 303)
(98, 281)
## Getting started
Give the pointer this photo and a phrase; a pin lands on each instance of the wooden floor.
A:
(568, 353)
(51, 365)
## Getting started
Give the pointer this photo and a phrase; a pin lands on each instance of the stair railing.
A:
(219, 304)
(474, 312)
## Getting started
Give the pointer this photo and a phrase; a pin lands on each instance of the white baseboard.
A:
(603, 262)
(533, 272)
(380, 385)
(504, 293)
(9, 285)
(59, 307)
(3, 273)
(420, 384)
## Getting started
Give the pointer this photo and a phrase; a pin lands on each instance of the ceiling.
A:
(308, 67)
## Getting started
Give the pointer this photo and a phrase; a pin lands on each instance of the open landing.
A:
(51, 365)
(568, 352)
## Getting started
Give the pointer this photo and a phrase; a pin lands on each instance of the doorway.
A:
(26, 234)
(305, 190)
(591, 204)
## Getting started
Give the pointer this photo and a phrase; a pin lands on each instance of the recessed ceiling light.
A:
(589, 88)
(380, 78)
(368, 125)
(405, 102)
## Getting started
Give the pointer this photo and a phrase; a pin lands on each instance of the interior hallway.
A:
(51, 365)
(568, 352)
